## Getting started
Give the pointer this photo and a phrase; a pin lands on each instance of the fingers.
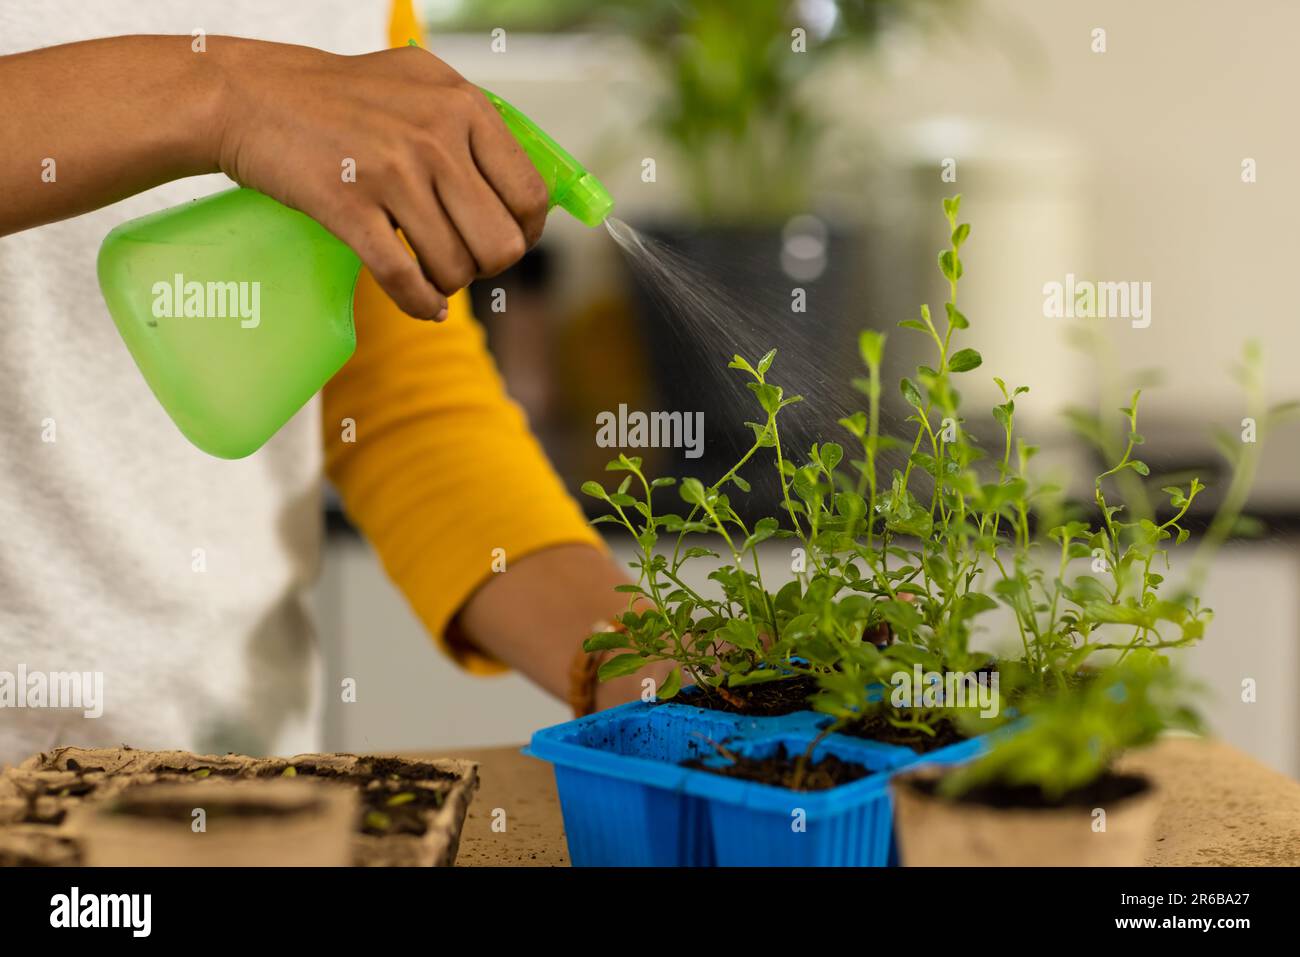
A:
(450, 175)
(488, 229)
(371, 235)
(443, 255)
(511, 174)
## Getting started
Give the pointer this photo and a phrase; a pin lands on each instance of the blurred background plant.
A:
(732, 99)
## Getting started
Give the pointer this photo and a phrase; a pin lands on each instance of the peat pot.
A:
(1114, 828)
(283, 823)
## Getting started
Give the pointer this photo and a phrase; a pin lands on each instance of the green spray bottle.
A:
(238, 309)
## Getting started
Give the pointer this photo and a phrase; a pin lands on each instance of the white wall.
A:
(409, 694)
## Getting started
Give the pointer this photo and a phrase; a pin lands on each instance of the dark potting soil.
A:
(385, 811)
(781, 770)
(391, 800)
(200, 772)
(876, 728)
(770, 699)
(1106, 790)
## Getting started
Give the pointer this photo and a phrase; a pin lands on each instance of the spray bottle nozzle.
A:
(569, 186)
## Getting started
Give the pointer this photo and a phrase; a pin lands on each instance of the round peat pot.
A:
(936, 832)
(219, 823)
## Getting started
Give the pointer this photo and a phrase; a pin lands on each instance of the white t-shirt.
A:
(125, 551)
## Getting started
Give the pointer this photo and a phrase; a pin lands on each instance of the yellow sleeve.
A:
(442, 469)
(403, 26)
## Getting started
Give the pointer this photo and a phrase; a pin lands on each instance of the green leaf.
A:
(1117, 614)
(606, 641)
(696, 551)
(765, 363)
(762, 434)
(738, 363)
(965, 360)
(740, 633)
(926, 461)
(951, 207)
(916, 522)
(672, 684)
(624, 463)
(956, 318)
(595, 490)
(692, 491)
(1281, 411)
(871, 345)
(769, 396)
(1246, 526)
(903, 615)
(621, 665)
(753, 676)
(856, 424)
(763, 530)
(960, 234)
(831, 456)
(950, 265)
(911, 394)
(914, 324)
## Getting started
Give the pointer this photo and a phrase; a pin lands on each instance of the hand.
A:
(432, 156)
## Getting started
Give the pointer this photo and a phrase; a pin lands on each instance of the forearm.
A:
(535, 616)
(116, 116)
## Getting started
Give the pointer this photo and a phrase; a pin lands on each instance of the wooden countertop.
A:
(1220, 808)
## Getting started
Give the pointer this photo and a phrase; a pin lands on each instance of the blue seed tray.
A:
(627, 801)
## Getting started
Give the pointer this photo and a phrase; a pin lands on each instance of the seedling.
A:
(917, 552)
(1071, 739)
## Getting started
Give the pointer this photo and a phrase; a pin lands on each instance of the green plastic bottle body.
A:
(238, 309)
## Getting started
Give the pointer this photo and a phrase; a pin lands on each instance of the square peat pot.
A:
(627, 801)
